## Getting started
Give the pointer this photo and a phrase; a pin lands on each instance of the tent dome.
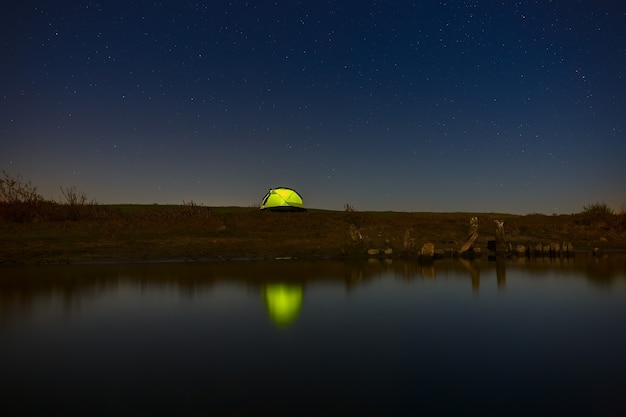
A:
(282, 198)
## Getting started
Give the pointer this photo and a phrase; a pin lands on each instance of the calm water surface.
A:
(287, 337)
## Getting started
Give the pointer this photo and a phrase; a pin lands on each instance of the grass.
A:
(131, 233)
(36, 230)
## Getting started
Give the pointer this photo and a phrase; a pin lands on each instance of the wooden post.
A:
(473, 236)
(501, 246)
(428, 252)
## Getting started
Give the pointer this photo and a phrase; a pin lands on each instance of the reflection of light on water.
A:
(283, 302)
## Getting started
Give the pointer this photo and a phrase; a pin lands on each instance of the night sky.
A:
(484, 106)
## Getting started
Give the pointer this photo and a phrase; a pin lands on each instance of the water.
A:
(541, 337)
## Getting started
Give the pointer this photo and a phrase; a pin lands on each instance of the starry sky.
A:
(475, 106)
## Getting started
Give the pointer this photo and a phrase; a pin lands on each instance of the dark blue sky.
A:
(493, 106)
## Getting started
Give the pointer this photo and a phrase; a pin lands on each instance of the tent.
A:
(282, 199)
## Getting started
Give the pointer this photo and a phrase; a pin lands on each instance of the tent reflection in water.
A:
(282, 199)
(283, 302)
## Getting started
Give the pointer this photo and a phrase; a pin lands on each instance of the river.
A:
(289, 337)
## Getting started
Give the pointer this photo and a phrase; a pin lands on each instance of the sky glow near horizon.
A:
(476, 106)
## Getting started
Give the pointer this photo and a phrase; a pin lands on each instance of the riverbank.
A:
(135, 233)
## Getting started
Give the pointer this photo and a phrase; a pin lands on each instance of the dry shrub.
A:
(599, 215)
(19, 200)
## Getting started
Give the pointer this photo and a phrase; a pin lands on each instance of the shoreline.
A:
(216, 260)
(34, 259)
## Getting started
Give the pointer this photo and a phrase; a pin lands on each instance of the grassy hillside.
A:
(121, 233)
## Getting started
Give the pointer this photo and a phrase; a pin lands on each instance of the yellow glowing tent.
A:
(282, 199)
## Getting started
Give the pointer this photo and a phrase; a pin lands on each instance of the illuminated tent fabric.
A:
(283, 302)
(282, 199)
